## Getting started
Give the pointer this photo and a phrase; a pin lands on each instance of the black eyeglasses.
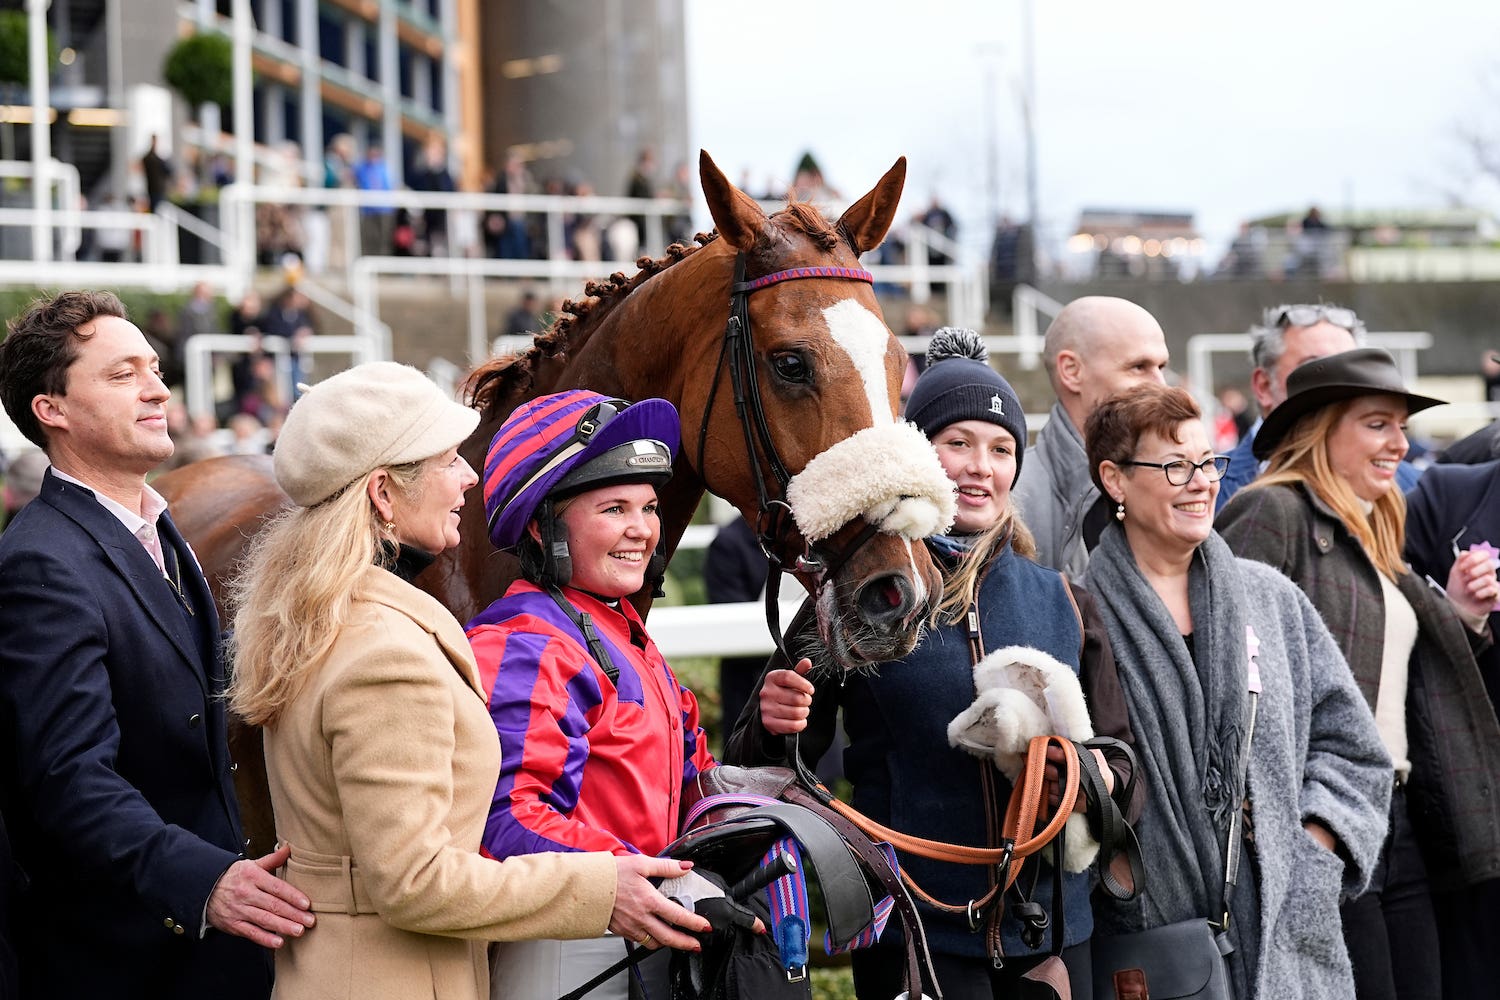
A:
(1180, 472)
(1310, 315)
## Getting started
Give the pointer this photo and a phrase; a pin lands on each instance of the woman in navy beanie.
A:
(904, 770)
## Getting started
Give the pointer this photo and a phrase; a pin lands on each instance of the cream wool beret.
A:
(372, 415)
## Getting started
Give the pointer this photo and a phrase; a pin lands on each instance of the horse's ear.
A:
(739, 218)
(868, 219)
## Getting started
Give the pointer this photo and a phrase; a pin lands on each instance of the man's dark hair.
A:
(43, 343)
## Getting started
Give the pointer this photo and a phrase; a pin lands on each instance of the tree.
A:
(15, 59)
(201, 69)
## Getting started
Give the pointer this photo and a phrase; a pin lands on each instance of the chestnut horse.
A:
(802, 437)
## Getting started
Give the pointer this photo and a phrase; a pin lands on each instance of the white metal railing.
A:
(365, 282)
(64, 176)
(198, 359)
(1403, 345)
(365, 324)
(1026, 304)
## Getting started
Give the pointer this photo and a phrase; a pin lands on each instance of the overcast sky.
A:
(1228, 110)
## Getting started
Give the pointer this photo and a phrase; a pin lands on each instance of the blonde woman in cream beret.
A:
(379, 747)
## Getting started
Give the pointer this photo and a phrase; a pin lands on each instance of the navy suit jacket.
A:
(1456, 505)
(118, 794)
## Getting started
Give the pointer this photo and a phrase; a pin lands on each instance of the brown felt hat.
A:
(1366, 371)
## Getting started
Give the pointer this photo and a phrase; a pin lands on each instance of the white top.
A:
(1395, 658)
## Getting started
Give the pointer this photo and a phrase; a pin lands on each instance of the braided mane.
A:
(494, 382)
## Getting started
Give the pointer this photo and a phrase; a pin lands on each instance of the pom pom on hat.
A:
(372, 415)
(958, 384)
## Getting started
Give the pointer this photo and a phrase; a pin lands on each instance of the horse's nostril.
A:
(885, 599)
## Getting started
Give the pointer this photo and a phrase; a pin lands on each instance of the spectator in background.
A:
(1288, 336)
(642, 184)
(158, 174)
(432, 174)
(114, 242)
(163, 340)
(734, 571)
(23, 481)
(1247, 253)
(376, 222)
(1010, 261)
(1489, 371)
(505, 231)
(808, 183)
(1095, 348)
(581, 230)
(525, 319)
(290, 316)
(937, 218)
(681, 188)
(201, 314)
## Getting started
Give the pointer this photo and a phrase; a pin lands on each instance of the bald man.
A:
(1096, 347)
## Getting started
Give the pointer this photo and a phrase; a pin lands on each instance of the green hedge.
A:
(138, 304)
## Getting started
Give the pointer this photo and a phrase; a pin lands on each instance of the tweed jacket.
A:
(382, 771)
(1454, 790)
(1055, 494)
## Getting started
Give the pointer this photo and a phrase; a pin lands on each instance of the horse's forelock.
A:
(805, 217)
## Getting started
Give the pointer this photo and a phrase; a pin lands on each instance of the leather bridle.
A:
(774, 524)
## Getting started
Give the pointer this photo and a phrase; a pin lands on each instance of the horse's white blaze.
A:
(864, 338)
(919, 585)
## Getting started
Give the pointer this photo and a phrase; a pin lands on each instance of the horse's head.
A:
(841, 490)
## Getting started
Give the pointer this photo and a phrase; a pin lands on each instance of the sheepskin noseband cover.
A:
(1023, 692)
(887, 474)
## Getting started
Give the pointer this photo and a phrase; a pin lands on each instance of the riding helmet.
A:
(566, 443)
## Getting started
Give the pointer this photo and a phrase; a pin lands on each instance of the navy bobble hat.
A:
(959, 384)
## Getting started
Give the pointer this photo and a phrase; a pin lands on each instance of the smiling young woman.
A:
(1327, 514)
(995, 597)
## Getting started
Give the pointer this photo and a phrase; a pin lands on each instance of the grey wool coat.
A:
(1454, 789)
(1315, 755)
(1056, 493)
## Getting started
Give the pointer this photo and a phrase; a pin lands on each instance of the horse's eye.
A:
(791, 367)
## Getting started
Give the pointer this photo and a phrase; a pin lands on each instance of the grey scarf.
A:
(1188, 723)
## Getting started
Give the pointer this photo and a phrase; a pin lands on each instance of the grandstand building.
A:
(577, 89)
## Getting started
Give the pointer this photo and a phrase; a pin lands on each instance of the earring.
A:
(1120, 511)
(390, 527)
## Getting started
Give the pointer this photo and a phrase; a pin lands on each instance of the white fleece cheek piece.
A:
(888, 474)
(1022, 692)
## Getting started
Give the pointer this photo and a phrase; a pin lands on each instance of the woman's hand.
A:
(786, 700)
(1317, 831)
(1054, 778)
(644, 915)
(1472, 587)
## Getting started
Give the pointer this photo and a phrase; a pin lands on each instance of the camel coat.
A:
(382, 771)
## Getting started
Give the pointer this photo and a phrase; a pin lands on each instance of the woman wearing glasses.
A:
(1326, 514)
(1193, 629)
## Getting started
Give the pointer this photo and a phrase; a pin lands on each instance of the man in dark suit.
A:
(113, 758)
(1452, 510)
